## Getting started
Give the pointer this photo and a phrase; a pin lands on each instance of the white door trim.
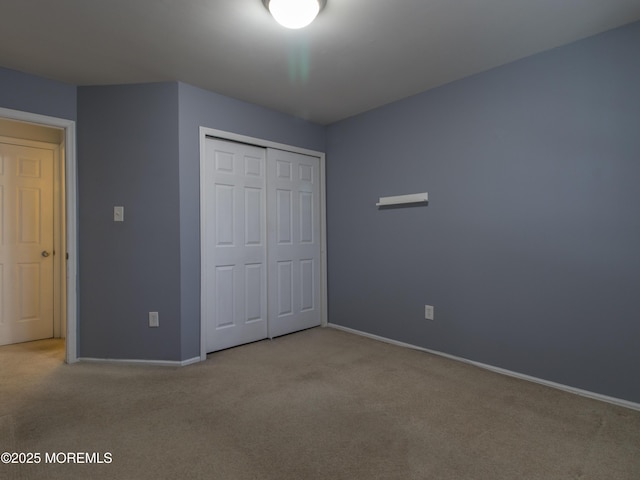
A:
(68, 156)
(259, 142)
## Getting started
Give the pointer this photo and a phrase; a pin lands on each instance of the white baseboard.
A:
(156, 363)
(566, 388)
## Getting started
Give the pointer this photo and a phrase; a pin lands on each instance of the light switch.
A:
(118, 214)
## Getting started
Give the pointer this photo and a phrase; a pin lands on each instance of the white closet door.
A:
(234, 258)
(293, 205)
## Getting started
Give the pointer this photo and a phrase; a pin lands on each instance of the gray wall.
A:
(529, 248)
(128, 155)
(202, 108)
(28, 93)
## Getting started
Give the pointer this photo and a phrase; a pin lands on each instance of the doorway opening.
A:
(39, 290)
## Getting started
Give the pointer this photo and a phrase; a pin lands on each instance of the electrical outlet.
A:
(428, 312)
(154, 321)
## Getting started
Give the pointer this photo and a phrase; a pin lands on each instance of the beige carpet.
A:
(320, 404)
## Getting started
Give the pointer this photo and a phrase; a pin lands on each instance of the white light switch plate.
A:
(428, 312)
(118, 214)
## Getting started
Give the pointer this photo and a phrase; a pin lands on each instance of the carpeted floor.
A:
(319, 404)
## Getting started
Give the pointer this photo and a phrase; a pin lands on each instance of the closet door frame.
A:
(259, 142)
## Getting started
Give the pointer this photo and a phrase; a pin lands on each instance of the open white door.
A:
(293, 206)
(26, 243)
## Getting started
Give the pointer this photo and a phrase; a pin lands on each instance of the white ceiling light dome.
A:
(294, 14)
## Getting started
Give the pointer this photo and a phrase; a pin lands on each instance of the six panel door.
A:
(234, 259)
(293, 203)
(26, 243)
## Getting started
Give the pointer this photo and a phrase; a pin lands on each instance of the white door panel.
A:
(26, 243)
(293, 194)
(234, 251)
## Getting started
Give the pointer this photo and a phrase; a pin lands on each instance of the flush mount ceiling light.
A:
(294, 13)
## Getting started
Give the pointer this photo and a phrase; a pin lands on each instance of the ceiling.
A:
(357, 55)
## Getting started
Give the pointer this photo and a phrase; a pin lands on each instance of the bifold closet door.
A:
(293, 213)
(234, 254)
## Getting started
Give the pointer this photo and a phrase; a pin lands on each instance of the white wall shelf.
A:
(403, 199)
